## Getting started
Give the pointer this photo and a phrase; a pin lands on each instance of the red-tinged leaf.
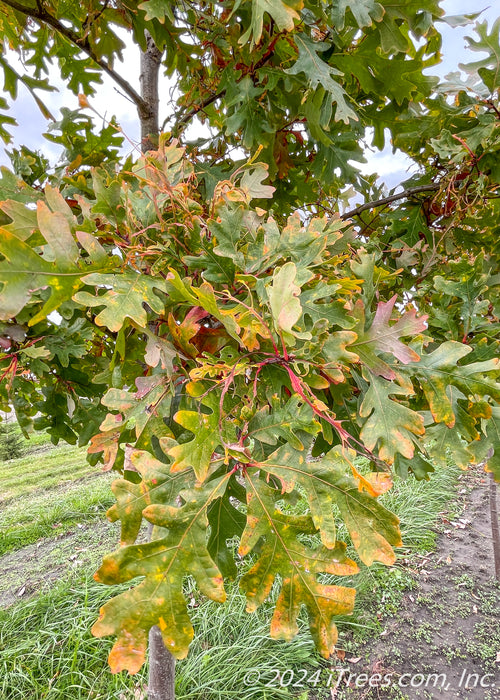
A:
(252, 326)
(205, 298)
(381, 337)
(185, 331)
(107, 443)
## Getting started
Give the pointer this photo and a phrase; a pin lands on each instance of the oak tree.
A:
(253, 360)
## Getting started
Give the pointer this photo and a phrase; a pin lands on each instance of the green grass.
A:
(57, 509)
(43, 469)
(48, 491)
(47, 652)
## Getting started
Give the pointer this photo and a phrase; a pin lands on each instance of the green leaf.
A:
(333, 311)
(365, 12)
(488, 448)
(488, 67)
(24, 220)
(439, 370)
(55, 228)
(70, 341)
(445, 444)
(245, 112)
(23, 272)
(226, 522)
(391, 425)
(284, 300)
(158, 484)
(418, 465)
(142, 411)
(281, 553)
(157, 9)
(251, 182)
(273, 422)
(336, 353)
(319, 73)
(197, 453)
(160, 353)
(227, 230)
(283, 13)
(124, 297)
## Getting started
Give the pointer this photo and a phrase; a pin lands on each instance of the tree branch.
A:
(198, 108)
(40, 14)
(387, 200)
(208, 100)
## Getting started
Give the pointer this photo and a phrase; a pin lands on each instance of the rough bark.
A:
(148, 114)
(161, 681)
(495, 530)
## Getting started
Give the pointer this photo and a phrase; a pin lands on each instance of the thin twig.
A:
(199, 108)
(82, 43)
(392, 198)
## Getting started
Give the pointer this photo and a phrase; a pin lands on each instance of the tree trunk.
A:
(161, 684)
(495, 531)
(161, 681)
(150, 68)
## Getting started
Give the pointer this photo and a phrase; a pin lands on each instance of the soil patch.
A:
(26, 571)
(445, 641)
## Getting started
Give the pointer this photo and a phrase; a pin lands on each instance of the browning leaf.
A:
(327, 482)
(282, 553)
(164, 562)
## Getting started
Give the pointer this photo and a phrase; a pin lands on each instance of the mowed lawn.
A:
(50, 488)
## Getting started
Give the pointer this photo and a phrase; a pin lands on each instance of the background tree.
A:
(11, 441)
(220, 322)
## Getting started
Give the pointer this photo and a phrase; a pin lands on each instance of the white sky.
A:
(108, 101)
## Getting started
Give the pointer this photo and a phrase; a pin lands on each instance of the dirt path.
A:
(28, 570)
(449, 626)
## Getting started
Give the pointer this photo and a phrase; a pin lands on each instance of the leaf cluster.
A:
(231, 367)
(255, 366)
